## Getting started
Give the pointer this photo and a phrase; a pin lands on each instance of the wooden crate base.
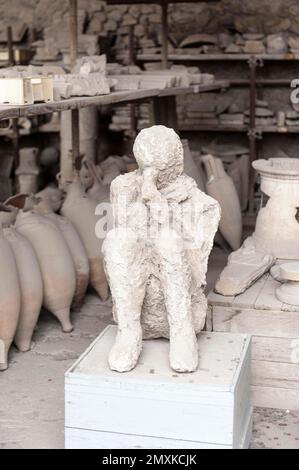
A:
(86, 439)
(154, 407)
(274, 327)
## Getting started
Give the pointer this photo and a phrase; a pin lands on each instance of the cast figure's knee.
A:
(119, 240)
(169, 243)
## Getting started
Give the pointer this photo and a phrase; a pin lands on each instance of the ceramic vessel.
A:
(112, 167)
(92, 181)
(8, 215)
(80, 209)
(98, 192)
(10, 299)
(277, 230)
(190, 167)
(79, 256)
(31, 286)
(50, 199)
(238, 170)
(86, 177)
(221, 187)
(55, 261)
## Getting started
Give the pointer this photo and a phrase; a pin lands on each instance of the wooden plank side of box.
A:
(86, 439)
(275, 349)
(274, 397)
(76, 438)
(256, 322)
(243, 409)
(157, 415)
(154, 401)
(275, 374)
(275, 357)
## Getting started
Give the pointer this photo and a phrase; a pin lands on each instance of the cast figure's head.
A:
(159, 152)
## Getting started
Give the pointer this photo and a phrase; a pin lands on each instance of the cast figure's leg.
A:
(127, 271)
(176, 283)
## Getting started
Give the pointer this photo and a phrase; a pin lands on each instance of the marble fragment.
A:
(244, 267)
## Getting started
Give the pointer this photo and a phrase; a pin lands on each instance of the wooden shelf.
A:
(219, 128)
(274, 82)
(158, 2)
(217, 57)
(9, 112)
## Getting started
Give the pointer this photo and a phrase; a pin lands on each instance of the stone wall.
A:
(252, 16)
(266, 16)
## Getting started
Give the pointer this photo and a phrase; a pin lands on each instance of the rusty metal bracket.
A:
(254, 134)
(254, 62)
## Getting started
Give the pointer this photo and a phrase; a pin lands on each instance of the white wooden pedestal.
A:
(155, 407)
(274, 327)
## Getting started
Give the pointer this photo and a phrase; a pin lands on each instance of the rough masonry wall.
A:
(267, 16)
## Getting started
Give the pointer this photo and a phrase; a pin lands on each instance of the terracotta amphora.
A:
(55, 261)
(10, 299)
(31, 286)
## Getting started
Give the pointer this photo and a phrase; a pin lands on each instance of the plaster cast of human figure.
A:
(156, 255)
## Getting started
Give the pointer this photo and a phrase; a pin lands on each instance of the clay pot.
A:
(51, 199)
(49, 156)
(98, 191)
(220, 186)
(190, 167)
(8, 215)
(112, 167)
(55, 261)
(131, 164)
(238, 170)
(86, 177)
(80, 209)
(24, 202)
(31, 286)
(79, 256)
(10, 299)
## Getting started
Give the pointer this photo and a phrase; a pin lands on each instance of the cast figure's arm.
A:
(123, 194)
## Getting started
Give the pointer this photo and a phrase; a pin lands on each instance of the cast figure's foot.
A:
(126, 350)
(183, 353)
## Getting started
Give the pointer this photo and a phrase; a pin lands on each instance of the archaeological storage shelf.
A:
(254, 83)
(164, 13)
(164, 106)
(161, 99)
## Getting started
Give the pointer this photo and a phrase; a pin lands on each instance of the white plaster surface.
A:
(157, 269)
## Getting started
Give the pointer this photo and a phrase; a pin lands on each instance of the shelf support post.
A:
(164, 7)
(11, 62)
(73, 12)
(253, 64)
